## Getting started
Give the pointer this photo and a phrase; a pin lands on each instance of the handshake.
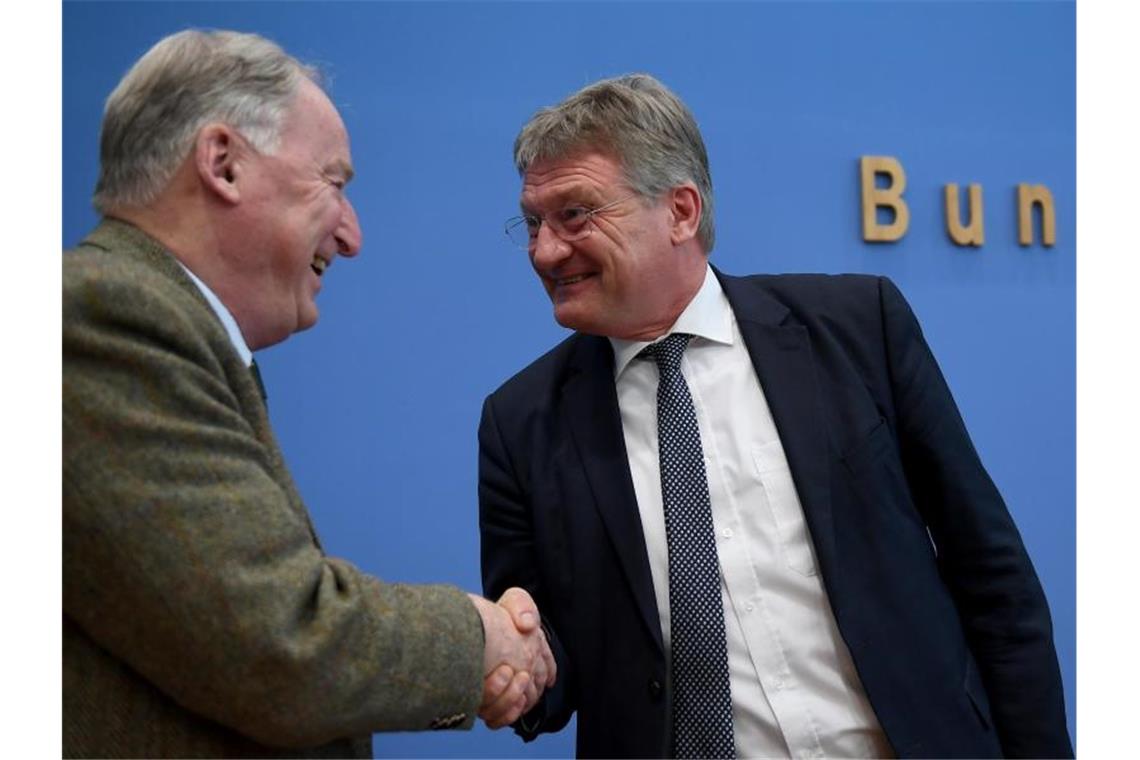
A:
(517, 662)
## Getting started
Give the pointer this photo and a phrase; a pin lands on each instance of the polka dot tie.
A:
(702, 702)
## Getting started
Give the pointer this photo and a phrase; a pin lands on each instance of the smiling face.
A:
(294, 219)
(633, 275)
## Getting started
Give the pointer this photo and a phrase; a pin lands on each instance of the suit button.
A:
(655, 690)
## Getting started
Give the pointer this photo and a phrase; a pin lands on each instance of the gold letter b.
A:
(890, 197)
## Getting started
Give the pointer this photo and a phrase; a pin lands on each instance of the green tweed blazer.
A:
(201, 617)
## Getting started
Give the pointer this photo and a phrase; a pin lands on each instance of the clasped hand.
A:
(518, 665)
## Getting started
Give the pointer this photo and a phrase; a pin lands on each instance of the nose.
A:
(348, 235)
(549, 250)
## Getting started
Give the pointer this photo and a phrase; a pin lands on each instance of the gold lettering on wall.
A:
(888, 197)
(1027, 197)
(973, 233)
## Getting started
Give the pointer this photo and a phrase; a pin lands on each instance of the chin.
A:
(568, 319)
(307, 316)
(579, 322)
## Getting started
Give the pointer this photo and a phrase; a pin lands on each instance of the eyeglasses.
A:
(570, 224)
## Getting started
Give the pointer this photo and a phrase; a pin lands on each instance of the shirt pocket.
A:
(784, 505)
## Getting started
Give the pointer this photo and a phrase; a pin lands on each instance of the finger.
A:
(495, 683)
(540, 668)
(540, 661)
(496, 715)
(547, 658)
(524, 612)
(539, 675)
(532, 692)
(508, 706)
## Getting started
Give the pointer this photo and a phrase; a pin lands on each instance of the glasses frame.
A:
(515, 222)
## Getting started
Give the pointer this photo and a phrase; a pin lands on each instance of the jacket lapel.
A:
(591, 408)
(782, 357)
(781, 354)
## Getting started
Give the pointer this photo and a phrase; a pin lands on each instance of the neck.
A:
(688, 283)
(180, 219)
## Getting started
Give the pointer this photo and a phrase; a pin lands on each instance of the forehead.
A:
(580, 177)
(313, 130)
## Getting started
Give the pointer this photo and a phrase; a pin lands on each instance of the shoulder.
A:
(89, 270)
(107, 285)
(131, 306)
(98, 263)
(810, 292)
(847, 317)
(830, 302)
(137, 334)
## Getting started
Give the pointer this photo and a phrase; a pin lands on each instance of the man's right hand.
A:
(517, 662)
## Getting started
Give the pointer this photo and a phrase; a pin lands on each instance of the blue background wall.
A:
(377, 406)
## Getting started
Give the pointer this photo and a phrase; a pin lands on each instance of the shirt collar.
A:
(224, 315)
(707, 316)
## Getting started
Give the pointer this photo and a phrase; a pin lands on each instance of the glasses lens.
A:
(572, 222)
(519, 232)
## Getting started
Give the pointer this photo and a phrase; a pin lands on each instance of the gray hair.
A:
(184, 82)
(637, 120)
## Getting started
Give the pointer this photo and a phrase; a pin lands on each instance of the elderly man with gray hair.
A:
(201, 616)
(747, 507)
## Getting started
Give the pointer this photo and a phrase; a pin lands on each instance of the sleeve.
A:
(509, 558)
(980, 553)
(188, 555)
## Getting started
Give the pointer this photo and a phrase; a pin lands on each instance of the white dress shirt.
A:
(224, 315)
(795, 692)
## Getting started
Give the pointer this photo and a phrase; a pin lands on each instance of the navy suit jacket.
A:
(926, 573)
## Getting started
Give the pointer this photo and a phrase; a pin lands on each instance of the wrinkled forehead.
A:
(314, 125)
(315, 103)
(582, 176)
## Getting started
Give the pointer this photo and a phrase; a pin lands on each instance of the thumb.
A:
(523, 610)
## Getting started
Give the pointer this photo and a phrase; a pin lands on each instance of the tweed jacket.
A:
(200, 615)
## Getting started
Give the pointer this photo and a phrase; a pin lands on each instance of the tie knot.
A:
(667, 351)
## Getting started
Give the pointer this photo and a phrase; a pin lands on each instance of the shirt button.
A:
(748, 607)
(727, 532)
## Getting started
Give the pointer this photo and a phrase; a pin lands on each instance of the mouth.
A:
(561, 282)
(319, 265)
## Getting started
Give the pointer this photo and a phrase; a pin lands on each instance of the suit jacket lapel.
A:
(782, 357)
(591, 408)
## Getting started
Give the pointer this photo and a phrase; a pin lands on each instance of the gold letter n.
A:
(1029, 196)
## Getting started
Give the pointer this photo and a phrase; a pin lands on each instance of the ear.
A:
(685, 206)
(216, 154)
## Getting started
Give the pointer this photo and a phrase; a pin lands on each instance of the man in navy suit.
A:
(788, 441)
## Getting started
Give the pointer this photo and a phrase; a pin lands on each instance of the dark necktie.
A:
(702, 701)
(253, 370)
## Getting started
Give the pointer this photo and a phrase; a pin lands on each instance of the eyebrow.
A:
(569, 197)
(343, 168)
